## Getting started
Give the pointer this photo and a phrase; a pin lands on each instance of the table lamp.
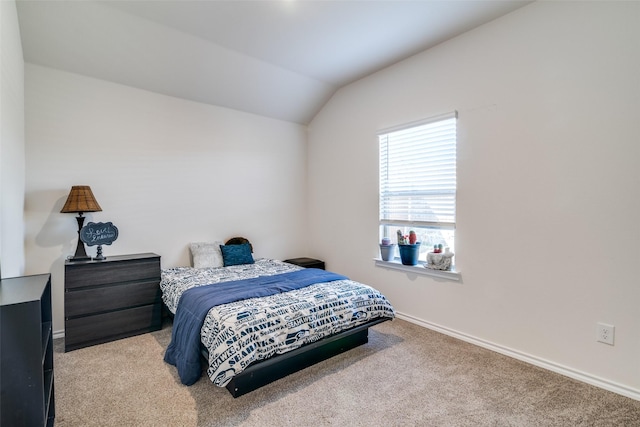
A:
(80, 200)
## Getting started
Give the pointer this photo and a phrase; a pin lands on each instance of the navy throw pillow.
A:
(236, 254)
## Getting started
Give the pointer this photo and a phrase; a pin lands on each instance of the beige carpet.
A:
(405, 376)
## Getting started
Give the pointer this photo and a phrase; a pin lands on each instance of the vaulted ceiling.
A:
(282, 59)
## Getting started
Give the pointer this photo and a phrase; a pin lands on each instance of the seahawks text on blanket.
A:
(240, 333)
(195, 303)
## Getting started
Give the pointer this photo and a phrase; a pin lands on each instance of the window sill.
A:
(419, 269)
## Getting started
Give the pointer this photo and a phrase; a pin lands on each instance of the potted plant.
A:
(409, 248)
(387, 249)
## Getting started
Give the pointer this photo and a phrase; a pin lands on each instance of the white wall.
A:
(165, 171)
(548, 209)
(12, 156)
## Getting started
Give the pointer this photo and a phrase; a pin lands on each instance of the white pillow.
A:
(206, 254)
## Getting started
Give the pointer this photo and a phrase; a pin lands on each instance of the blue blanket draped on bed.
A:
(195, 303)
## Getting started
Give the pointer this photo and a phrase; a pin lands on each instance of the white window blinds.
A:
(418, 173)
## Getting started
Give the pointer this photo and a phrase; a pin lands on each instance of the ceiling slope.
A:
(280, 59)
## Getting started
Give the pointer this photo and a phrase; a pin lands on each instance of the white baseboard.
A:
(58, 334)
(542, 363)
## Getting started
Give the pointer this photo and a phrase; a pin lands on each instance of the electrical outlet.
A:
(605, 333)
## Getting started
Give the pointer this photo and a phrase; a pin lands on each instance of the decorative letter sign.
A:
(100, 233)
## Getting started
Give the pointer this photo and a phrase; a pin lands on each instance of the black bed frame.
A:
(266, 371)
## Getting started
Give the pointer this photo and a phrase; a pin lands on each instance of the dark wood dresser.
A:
(26, 352)
(111, 299)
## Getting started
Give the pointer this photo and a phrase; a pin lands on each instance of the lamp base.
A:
(81, 253)
(79, 258)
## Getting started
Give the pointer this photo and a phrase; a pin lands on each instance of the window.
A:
(418, 182)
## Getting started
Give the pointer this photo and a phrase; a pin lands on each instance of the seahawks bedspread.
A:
(238, 333)
(184, 350)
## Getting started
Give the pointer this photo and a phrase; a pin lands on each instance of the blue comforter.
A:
(184, 350)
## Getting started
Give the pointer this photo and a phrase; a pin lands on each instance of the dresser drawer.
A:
(100, 328)
(95, 274)
(108, 298)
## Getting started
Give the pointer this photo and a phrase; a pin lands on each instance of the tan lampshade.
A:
(81, 200)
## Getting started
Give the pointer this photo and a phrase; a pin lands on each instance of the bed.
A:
(256, 321)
